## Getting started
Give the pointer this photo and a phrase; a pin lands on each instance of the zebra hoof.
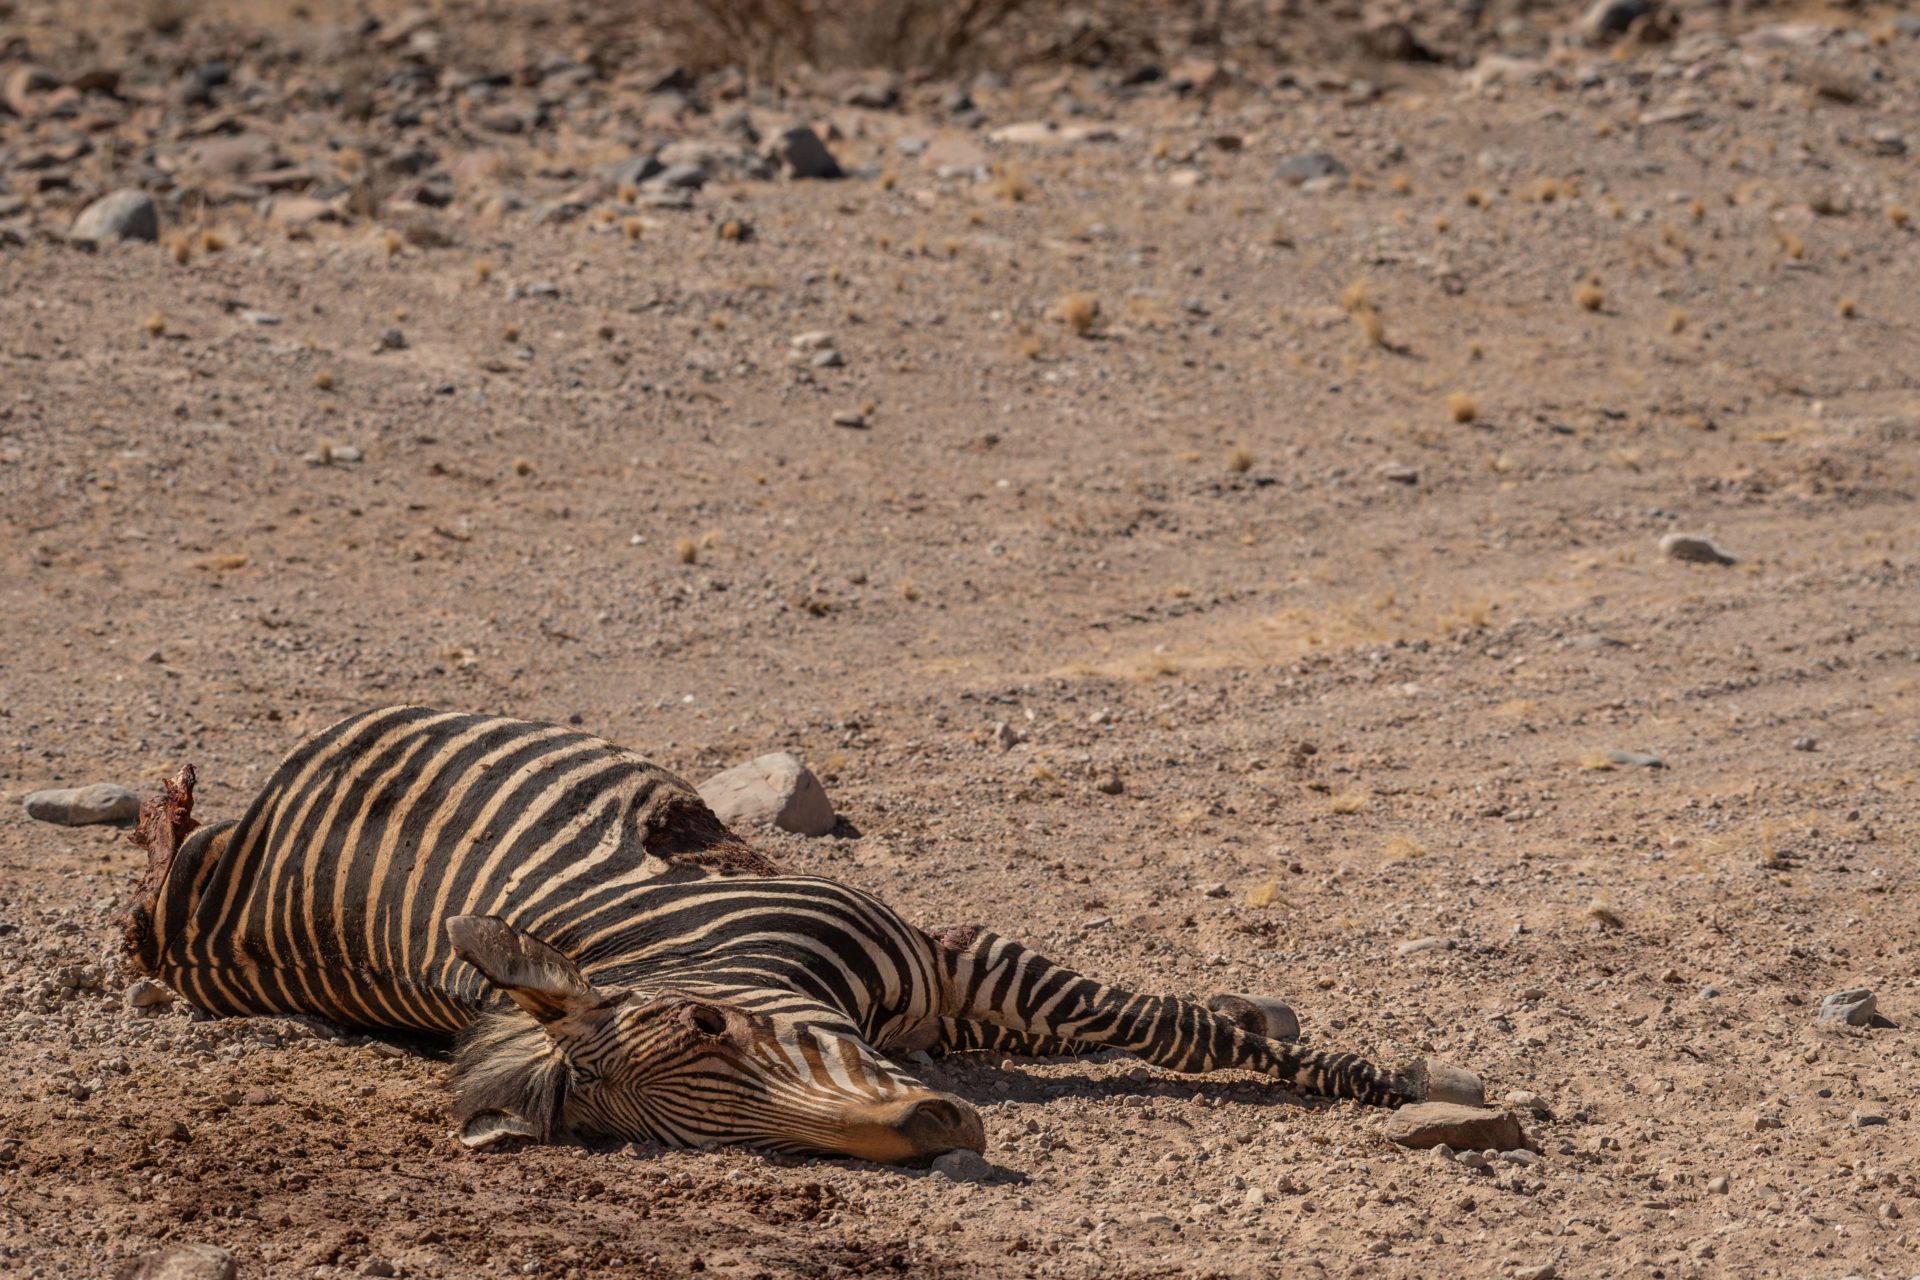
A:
(1430, 1081)
(1258, 1015)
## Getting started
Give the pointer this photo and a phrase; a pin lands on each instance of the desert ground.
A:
(1199, 509)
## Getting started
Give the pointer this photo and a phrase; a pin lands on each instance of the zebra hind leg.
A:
(996, 980)
(1256, 1015)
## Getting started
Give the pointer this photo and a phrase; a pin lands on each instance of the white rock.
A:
(81, 806)
(773, 790)
(126, 214)
(182, 1262)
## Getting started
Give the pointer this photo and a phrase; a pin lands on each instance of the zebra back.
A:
(330, 894)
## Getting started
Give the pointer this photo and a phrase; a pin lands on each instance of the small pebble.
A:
(1717, 1185)
(850, 418)
(963, 1166)
(1866, 1119)
(145, 993)
(1709, 992)
(1804, 743)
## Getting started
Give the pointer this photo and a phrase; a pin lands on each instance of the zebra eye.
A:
(707, 1020)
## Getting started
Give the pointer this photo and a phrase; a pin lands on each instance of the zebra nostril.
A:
(934, 1112)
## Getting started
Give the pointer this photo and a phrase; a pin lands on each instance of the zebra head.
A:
(679, 1066)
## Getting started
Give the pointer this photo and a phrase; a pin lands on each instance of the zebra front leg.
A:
(996, 980)
(1257, 1015)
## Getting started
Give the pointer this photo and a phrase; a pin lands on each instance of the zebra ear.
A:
(541, 981)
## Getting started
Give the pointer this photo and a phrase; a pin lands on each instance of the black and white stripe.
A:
(406, 867)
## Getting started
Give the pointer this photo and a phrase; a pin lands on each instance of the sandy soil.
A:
(1356, 664)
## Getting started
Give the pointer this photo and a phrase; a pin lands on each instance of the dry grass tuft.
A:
(155, 324)
(1263, 895)
(1676, 320)
(180, 248)
(1462, 407)
(1897, 214)
(1347, 802)
(1355, 297)
(1404, 848)
(1597, 762)
(482, 271)
(212, 241)
(1590, 296)
(1372, 327)
(323, 380)
(1009, 184)
(392, 241)
(1601, 912)
(1792, 245)
(1078, 311)
(1240, 459)
(1846, 308)
(1476, 198)
(688, 550)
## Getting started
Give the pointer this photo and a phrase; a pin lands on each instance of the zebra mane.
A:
(507, 1063)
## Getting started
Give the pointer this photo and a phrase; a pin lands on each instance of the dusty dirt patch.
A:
(1217, 589)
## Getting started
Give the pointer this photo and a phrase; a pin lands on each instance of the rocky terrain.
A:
(1414, 518)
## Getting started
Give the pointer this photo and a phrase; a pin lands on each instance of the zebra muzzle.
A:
(914, 1129)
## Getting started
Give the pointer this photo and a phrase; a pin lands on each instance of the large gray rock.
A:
(1429, 1124)
(1610, 19)
(181, 1262)
(82, 806)
(775, 790)
(1855, 1008)
(120, 215)
(800, 154)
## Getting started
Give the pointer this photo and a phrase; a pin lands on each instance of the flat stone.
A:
(1638, 759)
(181, 1262)
(294, 213)
(83, 806)
(773, 790)
(127, 214)
(800, 154)
(1042, 133)
(1867, 1119)
(1855, 1008)
(1428, 1124)
(1308, 165)
(1694, 549)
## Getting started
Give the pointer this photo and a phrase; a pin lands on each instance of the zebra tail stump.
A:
(608, 958)
(165, 821)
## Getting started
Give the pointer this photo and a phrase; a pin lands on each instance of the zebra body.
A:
(406, 868)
